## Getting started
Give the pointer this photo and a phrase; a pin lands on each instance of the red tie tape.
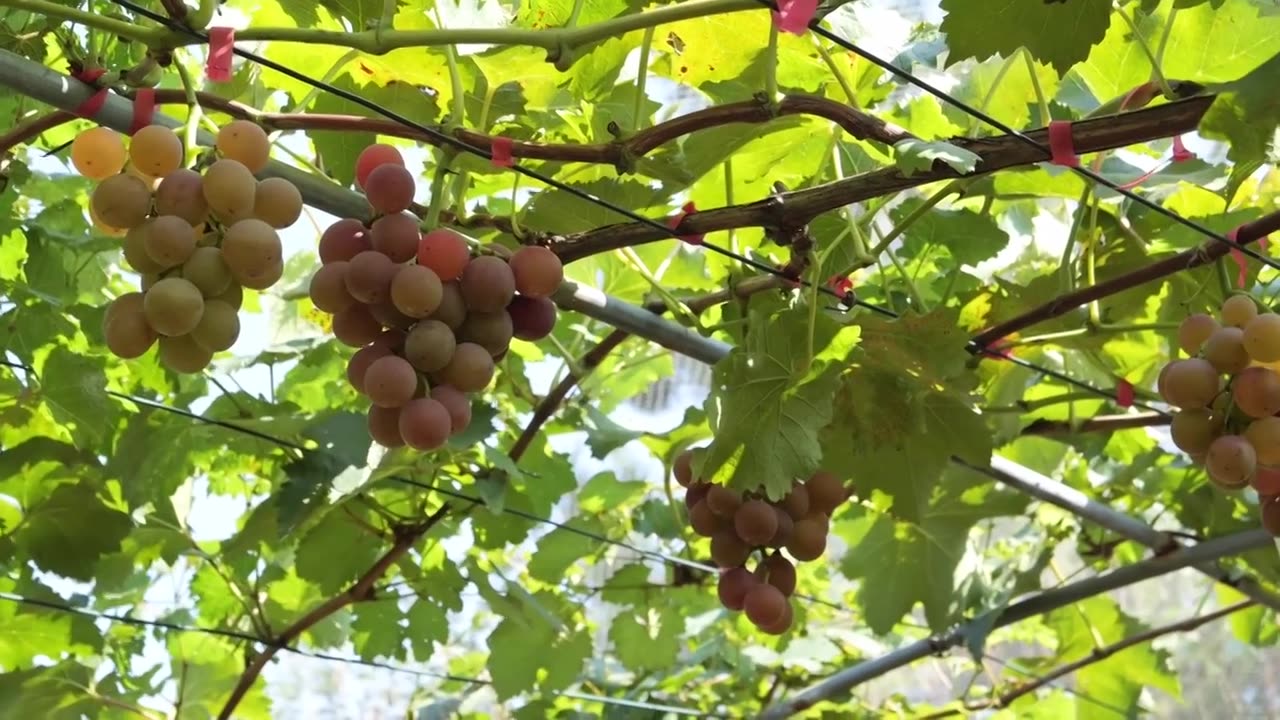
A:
(144, 109)
(688, 209)
(842, 286)
(222, 42)
(1242, 265)
(794, 16)
(500, 151)
(1062, 149)
(1124, 394)
(94, 103)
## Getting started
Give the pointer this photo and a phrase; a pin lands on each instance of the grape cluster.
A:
(196, 239)
(1228, 398)
(429, 318)
(741, 524)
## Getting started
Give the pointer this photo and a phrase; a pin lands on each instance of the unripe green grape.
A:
(208, 271)
(173, 306)
(121, 201)
(1262, 338)
(1194, 331)
(430, 346)
(219, 327)
(1190, 383)
(277, 202)
(135, 250)
(470, 369)
(169, 240)
(1225, 350)
(230, 189)
(183, 355)
(1194, 430)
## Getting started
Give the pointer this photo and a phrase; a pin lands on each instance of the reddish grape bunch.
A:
(742, 525)
(429, 318)
(196, 239)
(1228, 397)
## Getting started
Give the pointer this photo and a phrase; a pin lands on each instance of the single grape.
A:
(783, 623)
(98, 153)
(728, 550)
(246, 143)
(1225, 350)
(1194, 331)
(1231, 461)
(253, 251)
(786, 526)
(121, 201)
(169, 240)
(492, 331)
(395, 236)
(343, 240)
(445, 252)
(452, 310)
(392, 339)
(373, 156)
(809, 538)
(416, 291)
(733, 586)
(389, 188)
(470, 369)
(780, 573)
(355, 326)
(682, 468)
(1270, 510)
(181, 193)
(430, 346)
(532, 318)
(104, 228)
(328, 288)
(796, 502)
(1190, 383)
(233, 295)
(705, 522)
(384, 426)
(1238, 310)
(390, 317)
(825, 492)
(722, 501)
(456, 402)
(173, 306)
(230, 189)
(425, 424)
(359, 364)
(208, 271)
(135, 250)
(390, 381)
(369, 277)
(764, 605)
(1266, 480)
(183, 355)
(156, 150)
(1256, 392)
(696, 493)
(537, 271)
(219, 327)
(277, 202)
(1262, 337)
(487, 285)
(125, 326)
(1194, 430)
(1264, 435)
(755, 522)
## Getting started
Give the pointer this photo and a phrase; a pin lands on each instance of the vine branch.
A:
(1203, 254)
(1100, 423)
(359, 591)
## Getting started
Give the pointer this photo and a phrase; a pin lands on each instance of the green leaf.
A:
(337, 550)
(1057, 33)
(558, 551)
(913, 156)
(1247, 113)
(377, 631)
(968, 236)
(603, 434)
(646, 642)
(70, 530)
(74, 387)
(772, 399)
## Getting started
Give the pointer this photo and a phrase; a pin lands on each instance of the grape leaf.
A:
(913, 156)
(645, 642)
(772, 399)
(1247, 113)
(377, 631)
(1057, 33)
(74, 387)
(1118, 681)
(968, 236)
(69, 530)
(337, 550)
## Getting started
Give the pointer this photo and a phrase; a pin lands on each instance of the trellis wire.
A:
(850, 677)
(458, 144)
(318, 655)
(39, 81)
(1002, 127)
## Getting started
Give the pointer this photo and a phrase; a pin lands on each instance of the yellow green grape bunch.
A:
(1228, 396)
(742, 525)
(195, 239)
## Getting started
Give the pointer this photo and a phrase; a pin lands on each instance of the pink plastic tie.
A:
(794, 16)
(1062, 149)
(500, 151)
(93, 104)
(1124, 394)
(688, 209)
(144, 109)
(222, 42)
